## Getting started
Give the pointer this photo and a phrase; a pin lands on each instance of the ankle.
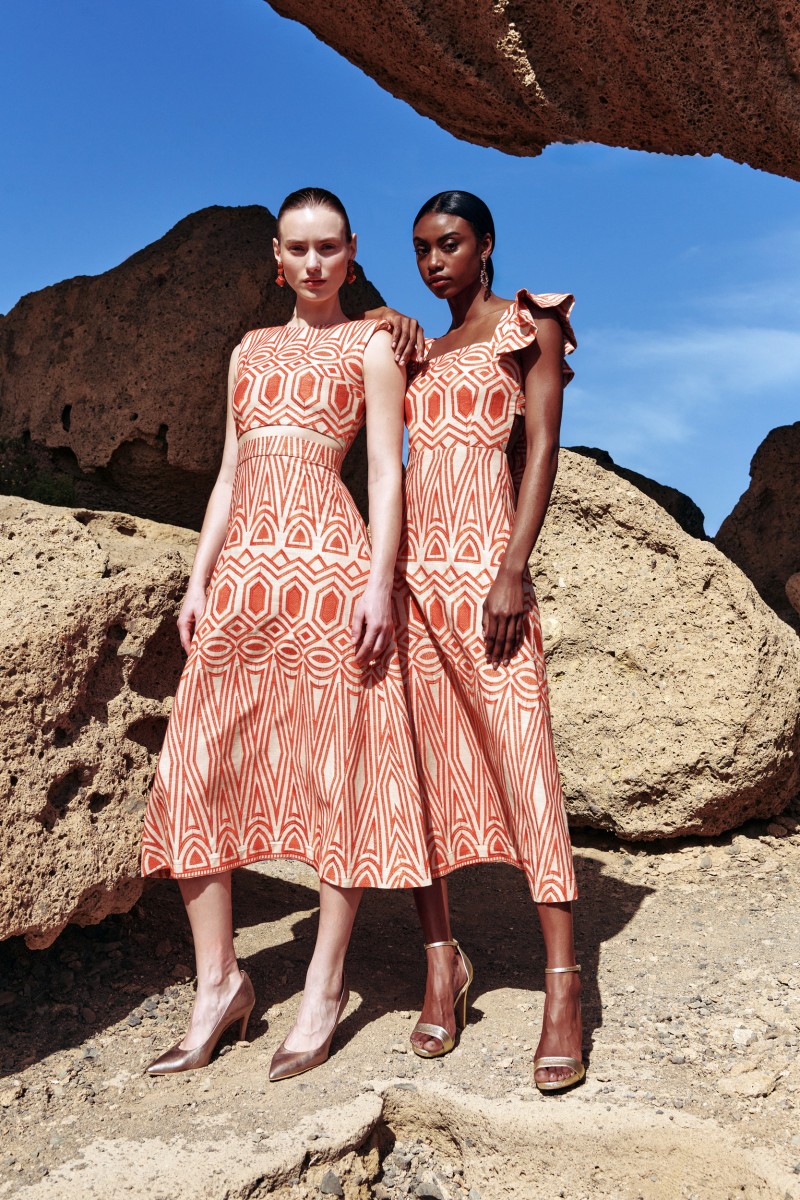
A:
(216, 976)
(325, 980)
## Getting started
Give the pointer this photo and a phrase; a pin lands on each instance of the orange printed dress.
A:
(484, 745)
(279, 745)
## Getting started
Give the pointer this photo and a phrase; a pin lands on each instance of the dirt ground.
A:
(691, 1004)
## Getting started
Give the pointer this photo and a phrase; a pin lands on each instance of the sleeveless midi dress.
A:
(278, 744)
(484, 744)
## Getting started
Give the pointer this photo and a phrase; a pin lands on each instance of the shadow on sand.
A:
(93, 978)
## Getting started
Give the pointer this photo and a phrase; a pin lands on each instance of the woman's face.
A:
(315, 253)
(448, 253)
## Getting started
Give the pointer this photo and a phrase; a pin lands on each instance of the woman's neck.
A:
(467, 306)
(326, 312)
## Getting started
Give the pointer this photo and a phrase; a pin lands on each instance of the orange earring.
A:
(280, 278)
(351, 271)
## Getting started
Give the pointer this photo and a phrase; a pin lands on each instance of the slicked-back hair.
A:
(316, 197)
(471, 208)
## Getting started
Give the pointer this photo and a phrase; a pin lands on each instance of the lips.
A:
(438, 281)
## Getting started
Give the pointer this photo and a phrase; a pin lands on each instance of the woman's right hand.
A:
(408, 336)
(194, 603)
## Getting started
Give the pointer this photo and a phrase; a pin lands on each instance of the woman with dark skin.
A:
(470, 639)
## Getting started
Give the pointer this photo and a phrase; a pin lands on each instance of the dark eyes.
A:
(449, 248)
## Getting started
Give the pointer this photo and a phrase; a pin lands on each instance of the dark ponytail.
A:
(472, 209)
(315, 197)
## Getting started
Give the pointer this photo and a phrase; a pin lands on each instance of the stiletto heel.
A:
(560, 1060)
(286, 1063)
(239, 1009)
(459, 1008)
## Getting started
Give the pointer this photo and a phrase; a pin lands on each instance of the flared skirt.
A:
(278, 744)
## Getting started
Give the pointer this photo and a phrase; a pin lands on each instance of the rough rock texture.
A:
(793, 591)
(114, 385)
(89, 661)
(675, 689)
(678, 504)
(762, 534)
(671, 77)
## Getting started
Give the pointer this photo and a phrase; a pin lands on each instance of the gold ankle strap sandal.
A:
(459, 1007)
(559, 1060)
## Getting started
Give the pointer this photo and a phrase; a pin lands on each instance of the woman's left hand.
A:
(408, 338)
(504, 618)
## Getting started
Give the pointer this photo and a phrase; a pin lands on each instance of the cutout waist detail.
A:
(293, 431)
(311, 451)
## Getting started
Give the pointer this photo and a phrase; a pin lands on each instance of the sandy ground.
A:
(691, 1003)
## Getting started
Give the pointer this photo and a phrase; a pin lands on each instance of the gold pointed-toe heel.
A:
(286, 1063)
(559, 1060)
(459, 1007)
(239, 1009)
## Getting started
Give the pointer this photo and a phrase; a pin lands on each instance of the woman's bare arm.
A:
(215, 524)
(503, 618)
(385, 384)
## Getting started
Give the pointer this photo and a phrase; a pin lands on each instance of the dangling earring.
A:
(280, 278)
(487, 291)
(351, 271)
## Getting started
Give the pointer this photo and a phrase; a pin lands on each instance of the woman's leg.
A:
(561, 1021)
(337, 912)
(446, 972)
(208, 905)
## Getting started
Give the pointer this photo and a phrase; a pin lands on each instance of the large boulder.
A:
(674, 77)
(113, 387)
(89, 661)
(762, 534)
(677, 503)
(675, 689)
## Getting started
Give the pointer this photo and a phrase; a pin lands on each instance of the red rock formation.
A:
(112, 387)
(674, 77)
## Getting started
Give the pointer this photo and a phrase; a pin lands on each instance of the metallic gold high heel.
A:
(459, 1007)
(286, 1063)
(239, 1009)
(559, 1060)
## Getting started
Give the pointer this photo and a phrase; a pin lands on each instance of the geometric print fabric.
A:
(483, 739)
(278, 744)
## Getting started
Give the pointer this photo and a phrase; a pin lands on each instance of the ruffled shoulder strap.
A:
(517, 326)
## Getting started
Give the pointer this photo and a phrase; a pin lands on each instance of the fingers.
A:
(406, 340)
(490, 635)
(374, 640)
(502, 637)
(510, 644)
(185, 631)
(420, 343)
(358, 627)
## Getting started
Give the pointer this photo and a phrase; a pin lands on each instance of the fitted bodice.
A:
(304, 376)
(471, 395)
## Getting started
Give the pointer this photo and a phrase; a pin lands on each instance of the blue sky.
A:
(119, 118)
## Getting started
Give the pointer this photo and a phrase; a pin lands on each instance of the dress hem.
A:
(167, 872)
(510, 861)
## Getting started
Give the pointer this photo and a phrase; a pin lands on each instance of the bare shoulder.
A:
(378, 350)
